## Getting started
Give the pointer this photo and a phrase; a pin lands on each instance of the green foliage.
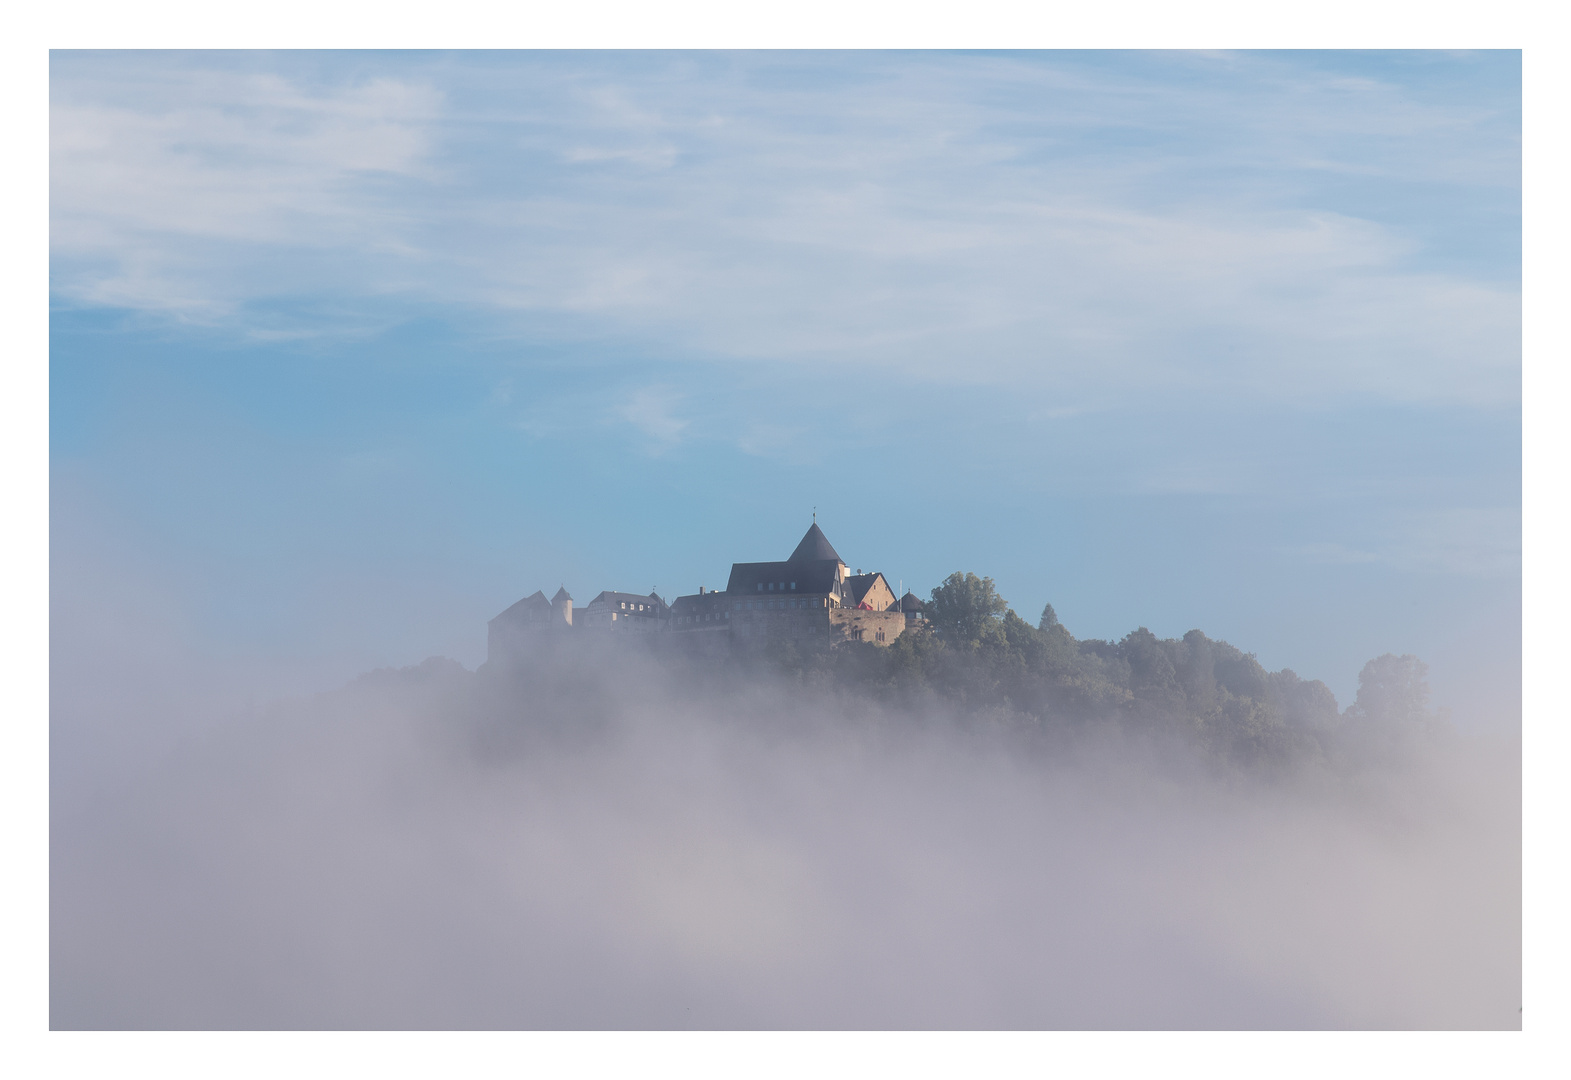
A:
(1392, 690)
(1390, 716)
(965, 609)
(1049, 618)
(975, 652)
(976, 656)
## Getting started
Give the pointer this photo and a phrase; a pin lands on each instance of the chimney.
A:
(700, 590)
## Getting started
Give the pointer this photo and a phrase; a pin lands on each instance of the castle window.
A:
(760, 586)
(793, 585)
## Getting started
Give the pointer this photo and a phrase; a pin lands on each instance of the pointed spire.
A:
(815, 547)
(561, 594)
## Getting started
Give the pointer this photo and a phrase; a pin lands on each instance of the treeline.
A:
(976, 653)
(976, 661)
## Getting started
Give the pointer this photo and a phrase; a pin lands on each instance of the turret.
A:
(562, 608)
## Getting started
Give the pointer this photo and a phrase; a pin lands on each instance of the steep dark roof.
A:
(561, 594)
(814, 547)
(530, 607)
(709, 601)
(817, 576)
(910, 602)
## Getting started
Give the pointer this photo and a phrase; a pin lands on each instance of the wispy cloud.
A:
(1151, 222)
(1465, 541)
(652, 411)
(197, 192)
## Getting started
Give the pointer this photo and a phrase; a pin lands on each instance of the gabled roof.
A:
(561, 594)
(704, 601)
(810, 577)
(815, 546)
(858, 585)
(611, 596)
(531, 606)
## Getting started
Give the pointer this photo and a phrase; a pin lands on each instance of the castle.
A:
(811, 595)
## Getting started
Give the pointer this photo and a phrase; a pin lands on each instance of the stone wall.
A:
(834, 624)
(876, 627)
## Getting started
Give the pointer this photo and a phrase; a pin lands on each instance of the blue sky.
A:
(349, 351)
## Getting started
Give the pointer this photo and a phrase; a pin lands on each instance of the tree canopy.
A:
(966, 608)
(975, 652)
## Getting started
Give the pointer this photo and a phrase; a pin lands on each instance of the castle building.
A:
(625, 612)
(702, 613)
(811, 595)
(517, 628)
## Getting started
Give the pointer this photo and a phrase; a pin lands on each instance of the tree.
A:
(966, 608)
(1392, 690)
(1049, 618)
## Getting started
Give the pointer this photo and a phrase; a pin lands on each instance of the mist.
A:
(1219, 353)
(619, 837)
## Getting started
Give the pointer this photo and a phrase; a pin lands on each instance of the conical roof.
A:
(815, 546)
(561, 594)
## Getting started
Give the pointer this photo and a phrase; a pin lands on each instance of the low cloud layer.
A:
(622, 845)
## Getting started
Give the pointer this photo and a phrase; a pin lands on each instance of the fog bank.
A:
(436, 848)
